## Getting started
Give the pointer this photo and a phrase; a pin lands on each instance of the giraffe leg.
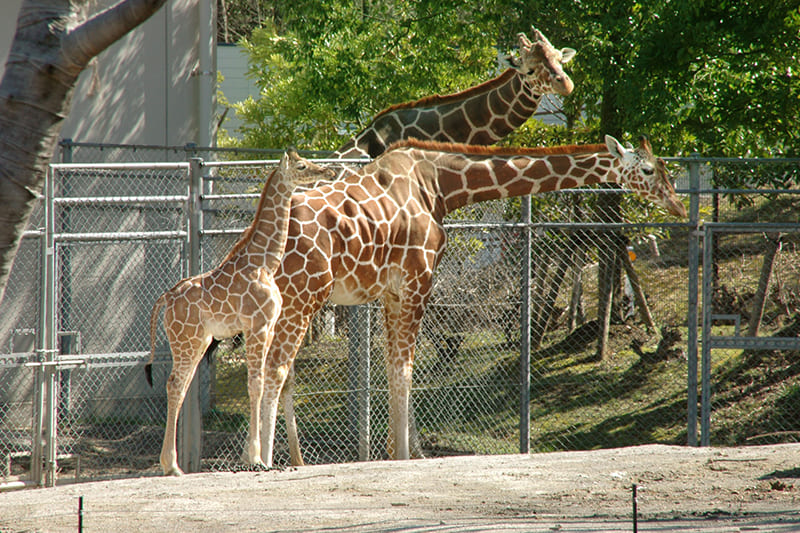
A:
(403, 320)
(275, 377)
(399, 393)
(184, 363)
(257, 343)
(287, 397)
(290, 330)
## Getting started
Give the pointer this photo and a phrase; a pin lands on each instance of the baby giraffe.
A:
(239, 296)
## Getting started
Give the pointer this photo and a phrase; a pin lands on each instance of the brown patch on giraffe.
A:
(504, 172)
(548, 184)
(569, 183)
(451, 120)
(477, 111)
(481, 178)
(560, 164)
(452, 179)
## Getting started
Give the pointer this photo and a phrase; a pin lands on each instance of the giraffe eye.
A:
(301, 165)
(648, 171)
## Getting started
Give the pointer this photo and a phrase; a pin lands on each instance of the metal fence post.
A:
(66, 150)
(705, 357)
(691, 317)
(190, 422)
(43, 455)
(525, 332)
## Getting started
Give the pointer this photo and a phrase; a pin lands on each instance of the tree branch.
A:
(100, 31)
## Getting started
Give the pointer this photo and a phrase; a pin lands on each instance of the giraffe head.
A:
(541, 65)
(646, 174)
(299, 171)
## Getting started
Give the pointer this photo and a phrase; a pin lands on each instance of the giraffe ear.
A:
(284, 163)
(567, 54)
(616, 149)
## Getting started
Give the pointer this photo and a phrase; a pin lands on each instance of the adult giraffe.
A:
(239, 296)
(483, 114)
(378, 234)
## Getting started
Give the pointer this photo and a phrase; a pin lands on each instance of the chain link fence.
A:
(121, 237)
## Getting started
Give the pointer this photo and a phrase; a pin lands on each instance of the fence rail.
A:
(506, 356)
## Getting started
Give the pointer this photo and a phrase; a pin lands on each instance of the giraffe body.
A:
(239, 296)
(379, 234)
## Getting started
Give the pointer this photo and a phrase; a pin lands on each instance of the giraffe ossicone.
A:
(379, 234)
(239, 296)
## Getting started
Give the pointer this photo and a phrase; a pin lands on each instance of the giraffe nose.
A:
(564, 85)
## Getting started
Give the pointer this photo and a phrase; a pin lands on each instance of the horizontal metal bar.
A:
(757, 343)
(229, 231)
(120, 166)
(755, 161)
(751, 227)
(274, 162)
(105, 200)
(240, 196)
(57, 364)
(595, 226)
(121, 236)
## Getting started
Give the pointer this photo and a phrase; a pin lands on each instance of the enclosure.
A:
(702, 345)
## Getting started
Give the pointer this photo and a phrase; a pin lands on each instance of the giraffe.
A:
(378, 234)
(240, 295)
(483, 114)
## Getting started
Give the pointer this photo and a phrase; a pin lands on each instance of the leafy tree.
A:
(323, 78)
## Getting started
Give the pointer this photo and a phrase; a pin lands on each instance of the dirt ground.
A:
(679, 489)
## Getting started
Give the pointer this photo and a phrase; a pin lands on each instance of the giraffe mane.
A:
(438, 99)
(568, 149)
(244, 238)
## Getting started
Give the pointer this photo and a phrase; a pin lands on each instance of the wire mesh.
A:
(755, 293)
(121, 237)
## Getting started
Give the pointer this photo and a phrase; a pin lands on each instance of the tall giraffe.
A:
(378, 234)
(483, 114)
(239, 296)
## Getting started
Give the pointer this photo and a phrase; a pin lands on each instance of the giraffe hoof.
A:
(174, 472)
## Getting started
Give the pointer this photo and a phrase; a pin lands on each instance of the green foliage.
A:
(718, 78)
(324, 79)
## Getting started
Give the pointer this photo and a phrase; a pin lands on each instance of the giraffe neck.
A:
(465, 174)
(265, 239)
(481, 115)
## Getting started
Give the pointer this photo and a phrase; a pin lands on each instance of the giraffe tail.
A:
(148, 368)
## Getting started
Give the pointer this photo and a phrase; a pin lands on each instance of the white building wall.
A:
(147, 87)
(236, 85)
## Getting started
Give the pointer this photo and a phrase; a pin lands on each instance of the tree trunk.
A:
(638, 293)
(609, 211)
(47, 54)
(760, 298)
